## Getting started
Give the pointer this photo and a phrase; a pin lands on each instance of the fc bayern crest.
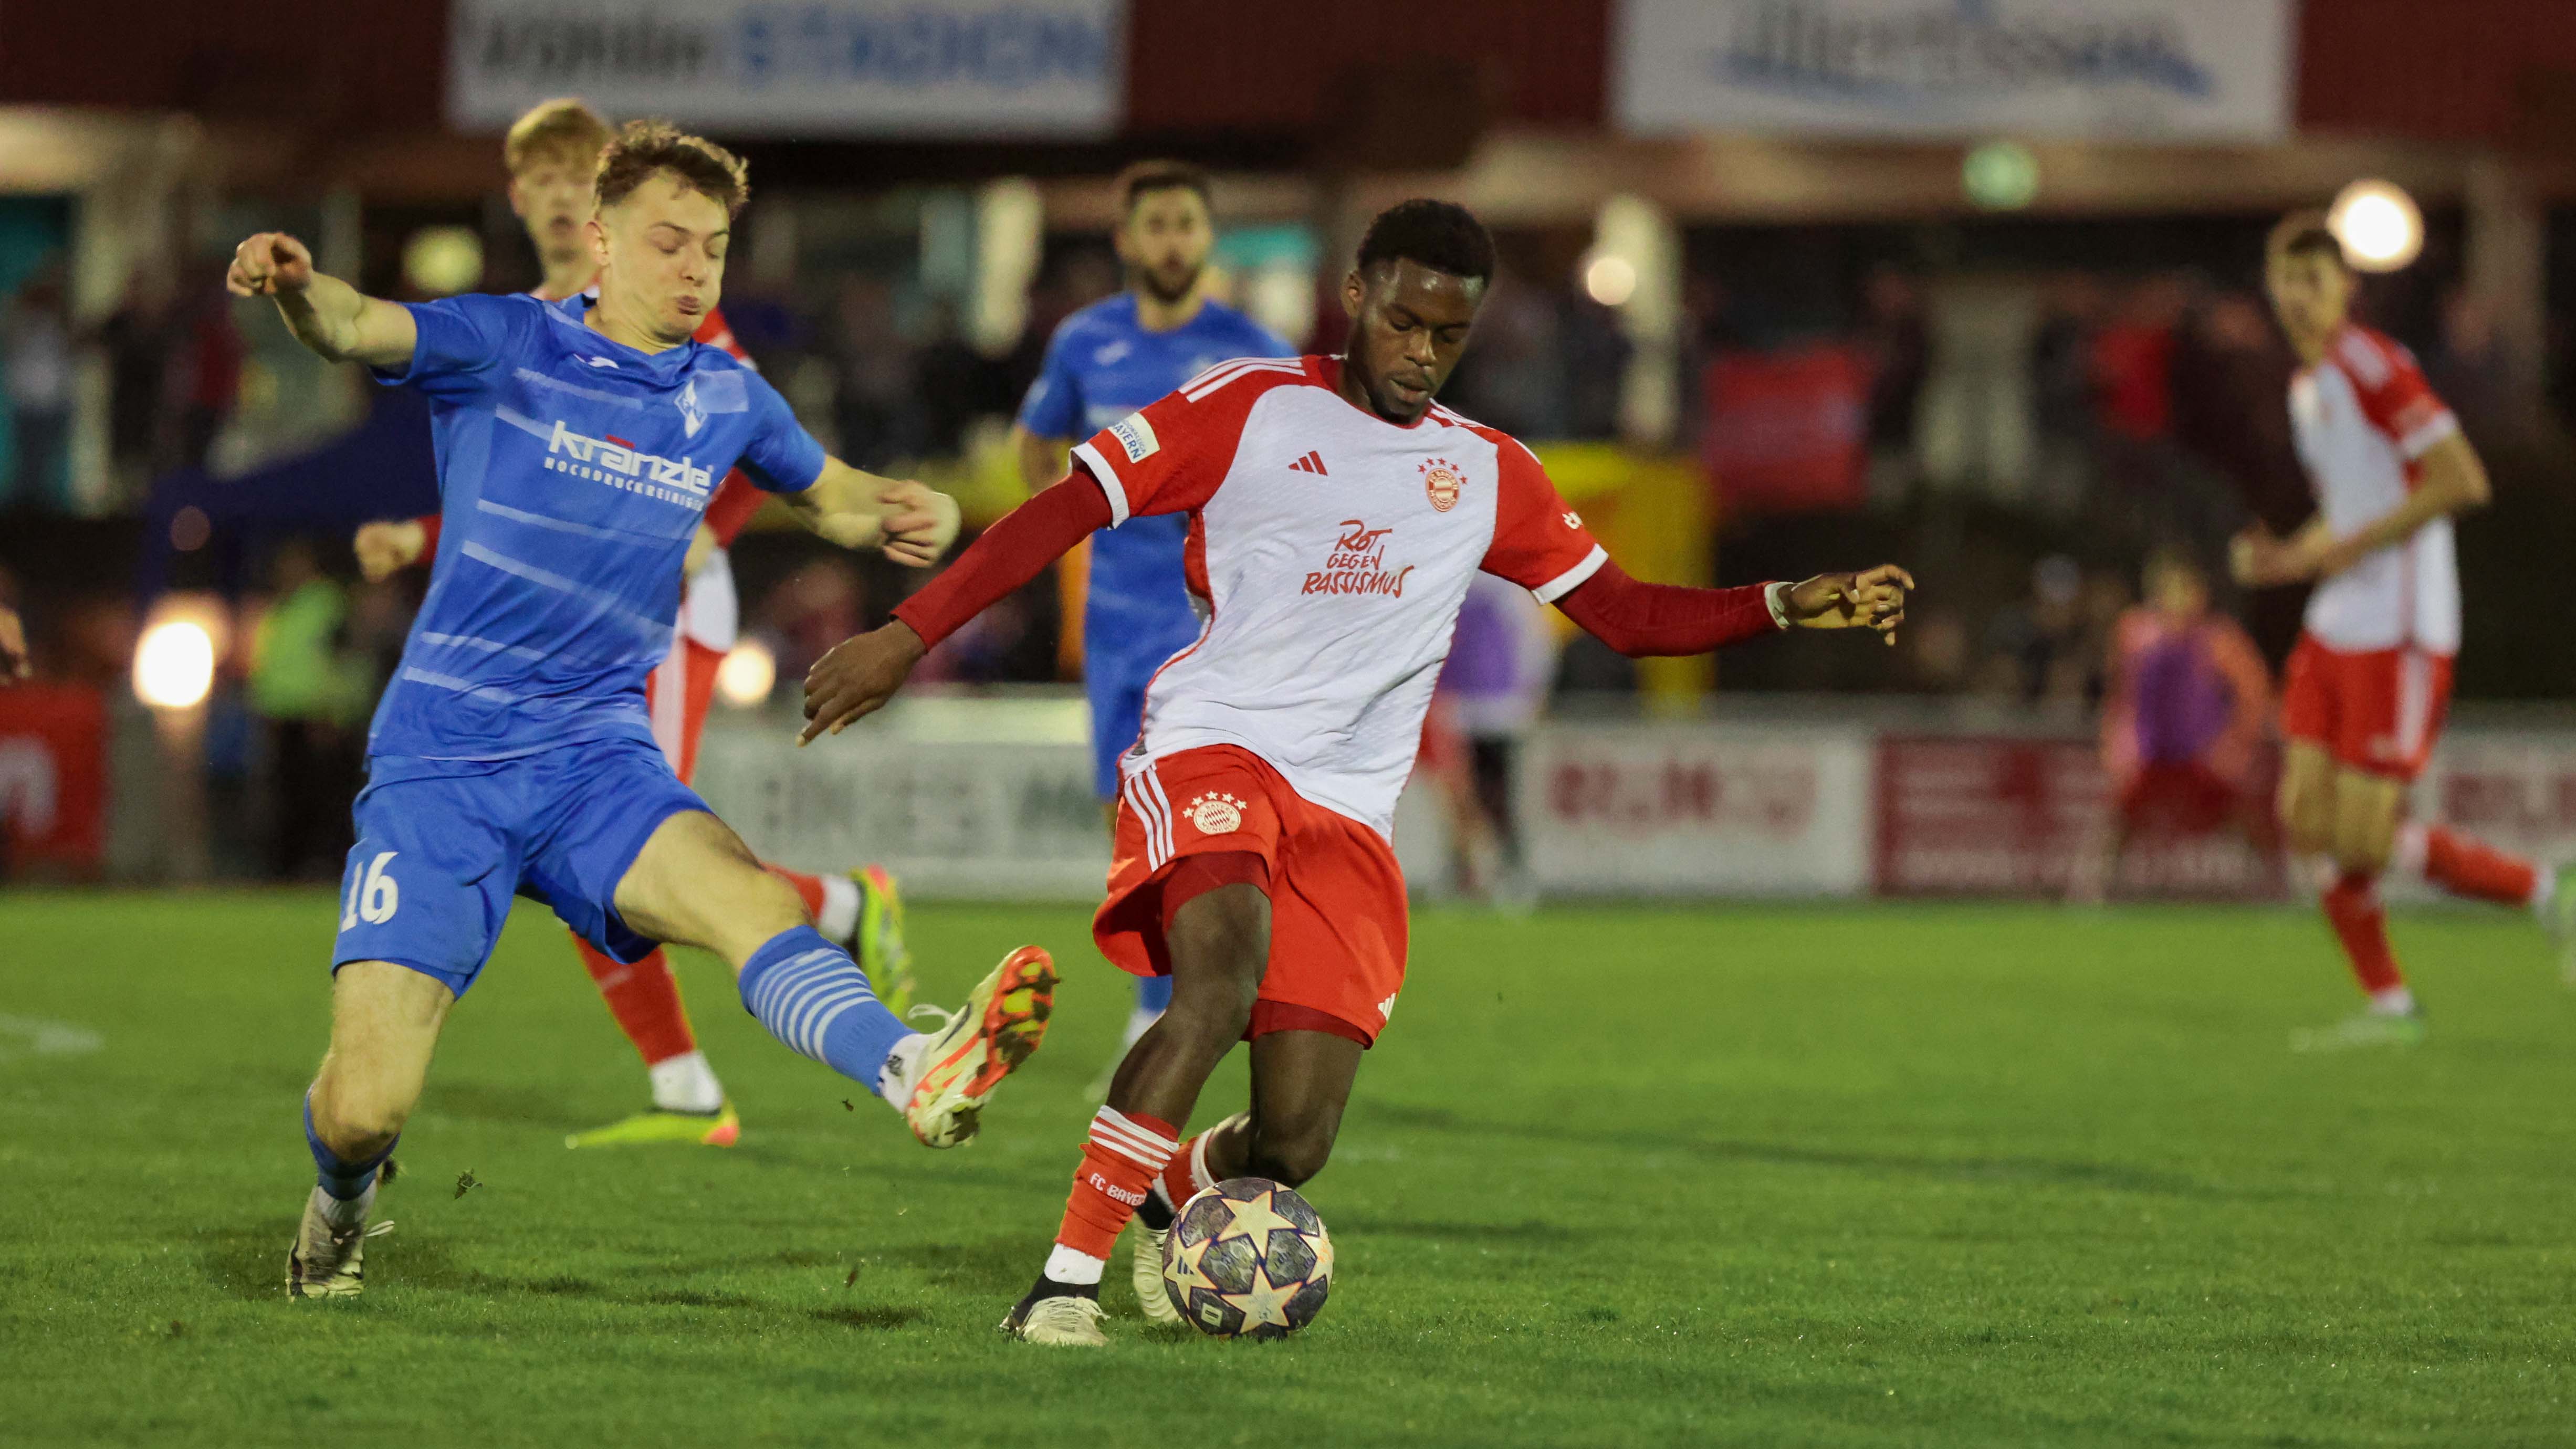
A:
(1216, 813)
(1441, 479)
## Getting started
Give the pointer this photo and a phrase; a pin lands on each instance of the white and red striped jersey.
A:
(1329, 551)
(2362, 416)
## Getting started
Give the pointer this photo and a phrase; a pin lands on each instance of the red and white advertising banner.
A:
(53, 778)
(1675, 809)
(2028, 817)
(2514, 789)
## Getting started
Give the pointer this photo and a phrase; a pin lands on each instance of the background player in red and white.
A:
(2367, 688)
(552, 154)
(1336, 517)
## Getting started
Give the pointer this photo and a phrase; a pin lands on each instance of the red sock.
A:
(645, 999)
(809, 887)
(2361, 923)
(1118, 1167)
(1186, 1175)
(2467, 866)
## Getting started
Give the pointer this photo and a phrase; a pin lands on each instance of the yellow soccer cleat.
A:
(950, 1075)
(879, 944)
(1145, 1275)
(721, 1128)
(1067, 1322)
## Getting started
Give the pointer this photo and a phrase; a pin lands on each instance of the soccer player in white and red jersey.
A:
(1336, 516)
(552, 154)
(2368, 686)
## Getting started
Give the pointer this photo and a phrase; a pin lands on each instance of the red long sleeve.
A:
(1010, 553)
(736, 500)
(1640, 619)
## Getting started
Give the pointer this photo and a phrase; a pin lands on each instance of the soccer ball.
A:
(1248, 1259)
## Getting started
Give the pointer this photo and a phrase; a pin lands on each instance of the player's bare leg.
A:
(1219, 940)
(696, 884)
(385, 1021)
(2361, 811)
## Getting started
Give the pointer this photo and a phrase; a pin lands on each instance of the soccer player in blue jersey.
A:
(1104, 362)
(578, 443)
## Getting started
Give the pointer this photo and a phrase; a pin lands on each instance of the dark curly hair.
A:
(641, 148)
(1441, 235)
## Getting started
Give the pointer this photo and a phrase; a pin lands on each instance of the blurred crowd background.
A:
(2018, 360)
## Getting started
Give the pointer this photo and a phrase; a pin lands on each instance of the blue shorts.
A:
(444, 844)
(1116, 682)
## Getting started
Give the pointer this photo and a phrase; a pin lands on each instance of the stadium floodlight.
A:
(747, 675)
(174, 665)
(1609, 280)
(2379, 225)
(443, 260)
(2000, 175)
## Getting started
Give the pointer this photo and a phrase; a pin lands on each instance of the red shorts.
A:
(2183, 797)
(681, 690)
(2378, 710)
(1337, 914)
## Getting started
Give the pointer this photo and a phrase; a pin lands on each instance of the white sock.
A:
(898, 1065)
(2544, 890)
(686, 1083)
(1064, 1265)
(2395, 1001)
(2413, 842)
(341, 1213)
(839, 918)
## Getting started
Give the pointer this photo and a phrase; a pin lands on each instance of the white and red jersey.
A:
(1329, 551)
(2362, 416)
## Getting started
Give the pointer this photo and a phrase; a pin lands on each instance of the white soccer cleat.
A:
(326, 1261)
(2561, 921)
(1145, 1271)
(946, 1082)
(1066, 1322)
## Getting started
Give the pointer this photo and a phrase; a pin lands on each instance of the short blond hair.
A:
(564, 127)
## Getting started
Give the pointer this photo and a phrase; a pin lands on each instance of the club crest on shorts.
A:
(1442, 479)
(1216, 813)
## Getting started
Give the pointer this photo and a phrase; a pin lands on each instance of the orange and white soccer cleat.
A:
(957, 1068)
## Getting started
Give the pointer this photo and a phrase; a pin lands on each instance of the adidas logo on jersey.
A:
(1313, 463)
(608, 461)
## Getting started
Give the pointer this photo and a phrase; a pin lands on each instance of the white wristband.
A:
(1776, 596)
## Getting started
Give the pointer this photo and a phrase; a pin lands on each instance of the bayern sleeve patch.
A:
(1136, 436)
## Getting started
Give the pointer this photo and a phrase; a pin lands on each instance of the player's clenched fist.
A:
(267, 264)
(857, 678)
(920, 522)
(385, 549)
(1871, 600)
(14, 664)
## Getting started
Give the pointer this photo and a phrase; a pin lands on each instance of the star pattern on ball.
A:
(1188, 1268)
(1254, 1217)
(1264, 1303)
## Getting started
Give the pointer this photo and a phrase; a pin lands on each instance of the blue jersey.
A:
(1100, 366)
(571, 471)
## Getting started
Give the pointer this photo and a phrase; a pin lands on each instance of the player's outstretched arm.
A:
(14, 663)
(912, 522)
(863, 672)
(325, 314)
(1643, 620)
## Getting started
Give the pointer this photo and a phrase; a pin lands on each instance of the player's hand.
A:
(2258, 560)
(386, 548)
(920, 523)
(2332, 559)
(268, 264)
(702, 546)
(1871, 600)
(14, 663)
(856, 679)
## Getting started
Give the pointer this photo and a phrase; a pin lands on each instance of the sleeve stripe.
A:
(2432, 430)
(1218, 376)
(1566, 582)
(1111, 485)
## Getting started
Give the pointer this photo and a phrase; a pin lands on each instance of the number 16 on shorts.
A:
(373, 896)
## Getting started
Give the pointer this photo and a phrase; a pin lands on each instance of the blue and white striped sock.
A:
(812, 996)
(351, 1186)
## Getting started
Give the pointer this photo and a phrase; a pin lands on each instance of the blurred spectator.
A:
(2469, 368)
(2188, 703)
(1491, 690)
(1515, 376)
(1596, 353)
(952, 382)
(312, 698)
(207, 383)
(36, 355)
(874, 409)
(138, 339)
(1899, 348)
(810, 610)
(2039, 648)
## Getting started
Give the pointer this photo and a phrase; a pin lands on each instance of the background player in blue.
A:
(1104, 362)
(578, 443)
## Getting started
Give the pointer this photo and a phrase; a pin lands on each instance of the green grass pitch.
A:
(1830, 1175)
